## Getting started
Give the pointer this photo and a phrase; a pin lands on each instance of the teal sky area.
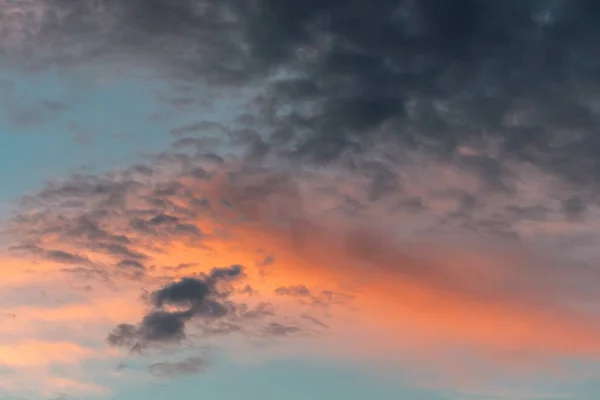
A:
(289, 379)
(56, 123)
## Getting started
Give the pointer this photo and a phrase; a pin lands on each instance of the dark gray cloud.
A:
(118, 250)
(199, 127)
(131, 264)
(59, 256)
(231, 272)
(261, 310)
(198, 297)
(191, 365)
(124, 335)
(433, 75)
(84, 226)
(574, 207)
(277, 329)
(158, 31)
(162, 326)
(296, 291)
(65, 257)
(315, 321)
(343, 76)
(163, 219)
(200, 305)
(185, 291)
(268, 260)
(325, 299)
(102, 190)
(87, 217)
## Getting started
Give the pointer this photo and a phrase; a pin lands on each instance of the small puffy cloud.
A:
(199, 298)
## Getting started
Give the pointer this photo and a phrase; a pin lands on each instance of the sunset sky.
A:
(300, 200)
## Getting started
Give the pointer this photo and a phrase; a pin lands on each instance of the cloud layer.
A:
(341, 77)
(419, 177)
(417, 284)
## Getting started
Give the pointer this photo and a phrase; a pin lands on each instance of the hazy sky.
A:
(300, 200)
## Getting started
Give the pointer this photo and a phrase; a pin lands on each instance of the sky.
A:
(300, 200)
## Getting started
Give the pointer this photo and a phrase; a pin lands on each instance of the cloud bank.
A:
(419, 176)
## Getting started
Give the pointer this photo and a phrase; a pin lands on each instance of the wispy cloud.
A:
(168, 369)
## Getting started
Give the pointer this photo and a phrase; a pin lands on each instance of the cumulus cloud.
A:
(199, 297)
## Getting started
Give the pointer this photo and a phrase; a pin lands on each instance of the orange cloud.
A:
(410, 301)
(458, 299)
(412, 297)
(35, 353)
(30, 360)
(48, 320)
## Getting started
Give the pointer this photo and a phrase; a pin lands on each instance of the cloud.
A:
(441, 77)
(574, 207)
(39, 353)
(200, 298)
(39, 360)
(298, 290)
(408, 285)
(275, 329)
(58, 256)
(425, 167)
(131, 264)
(191, 365)
(252, 207)
(436, 76)
(55, 326)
